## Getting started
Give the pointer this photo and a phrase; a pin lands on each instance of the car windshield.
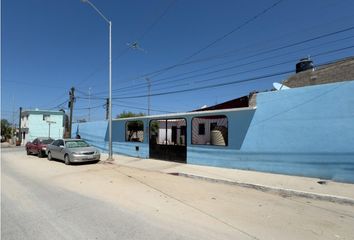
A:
(47, 141)
(76, 144)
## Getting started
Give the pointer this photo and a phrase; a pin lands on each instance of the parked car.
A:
(38, 146)
(72, 150)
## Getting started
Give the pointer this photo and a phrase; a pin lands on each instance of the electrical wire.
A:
(248, 21)
(140, 108)
(87, 108)
(209, 86)
(259, 53)
(157, 20)
(236, 66)
(59, 105)
(216, 85)
(183, 62)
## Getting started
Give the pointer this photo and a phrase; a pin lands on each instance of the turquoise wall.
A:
(305, 131)
(39, 128)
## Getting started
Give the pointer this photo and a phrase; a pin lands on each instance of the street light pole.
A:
(110, 154)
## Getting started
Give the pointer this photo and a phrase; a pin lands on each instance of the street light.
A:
(110, 156)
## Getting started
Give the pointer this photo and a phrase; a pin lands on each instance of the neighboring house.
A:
(338, 71)
(306, 130)
(41, 123)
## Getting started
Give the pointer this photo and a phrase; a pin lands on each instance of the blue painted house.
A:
(306, 131)
(41, 123)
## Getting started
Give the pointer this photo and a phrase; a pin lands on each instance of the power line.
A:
(100, 68)
(217, 85)
(158, 72)
(256, 54)
(273, 40)
(210, 86)
(253, 18)
(55, 100)
(241, 65)
(86, 108)
(220, 84)
(155, 22)
(59, 105)
(140, 108)
(259, 60)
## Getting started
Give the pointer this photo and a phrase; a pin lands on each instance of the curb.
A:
(280, 191)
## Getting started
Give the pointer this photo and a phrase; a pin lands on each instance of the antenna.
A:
(135, 46)
(280, 86)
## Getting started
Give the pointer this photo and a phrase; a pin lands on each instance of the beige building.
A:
(342, 70)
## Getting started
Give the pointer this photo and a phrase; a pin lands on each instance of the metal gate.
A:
(168, 139)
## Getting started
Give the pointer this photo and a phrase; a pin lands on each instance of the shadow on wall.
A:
(242, 124)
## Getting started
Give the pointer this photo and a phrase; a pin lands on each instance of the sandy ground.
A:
(177, 207)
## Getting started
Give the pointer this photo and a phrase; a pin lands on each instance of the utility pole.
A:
(13, 121)
(89, 110)
(149, 93)
(107, 107)
(71, 106)
(19, 127)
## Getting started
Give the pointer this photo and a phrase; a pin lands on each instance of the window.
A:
(201, 128)
(134, 131)
(60, 143)
(46, 141)
(56, 143)
(76, 144)
(210, 130)
(46, 117)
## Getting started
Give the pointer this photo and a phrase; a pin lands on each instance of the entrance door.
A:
(168, 139)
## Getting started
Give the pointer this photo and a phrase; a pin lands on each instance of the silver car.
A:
(72, 150)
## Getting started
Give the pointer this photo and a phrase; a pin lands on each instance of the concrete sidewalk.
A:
(7, 145)
(276, 183)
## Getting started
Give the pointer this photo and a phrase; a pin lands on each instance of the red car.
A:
(38, 146)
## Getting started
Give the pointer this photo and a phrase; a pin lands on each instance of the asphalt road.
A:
(44, 199)
(34, 209)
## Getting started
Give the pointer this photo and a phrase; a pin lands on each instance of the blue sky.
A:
(49, 46)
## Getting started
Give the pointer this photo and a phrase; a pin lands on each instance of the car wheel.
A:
(28, 151)
(40, 154)
(50, 156)
(66, 159)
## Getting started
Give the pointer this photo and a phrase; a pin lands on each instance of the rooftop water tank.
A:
(304, 64)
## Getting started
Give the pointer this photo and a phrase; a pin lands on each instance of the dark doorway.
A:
(168, 139)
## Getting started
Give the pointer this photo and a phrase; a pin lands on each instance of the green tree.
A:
(5, 129)
(128, 114)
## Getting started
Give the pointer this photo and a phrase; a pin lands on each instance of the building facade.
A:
(304, 131)
(41, 123)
